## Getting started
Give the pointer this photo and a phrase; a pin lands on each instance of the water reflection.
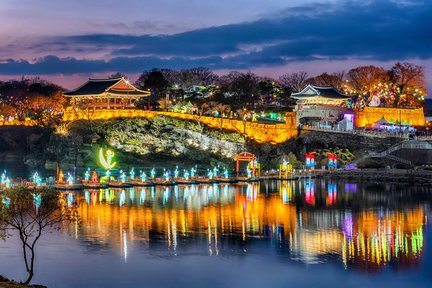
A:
(358, 226)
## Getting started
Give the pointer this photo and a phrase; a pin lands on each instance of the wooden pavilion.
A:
(115, 93)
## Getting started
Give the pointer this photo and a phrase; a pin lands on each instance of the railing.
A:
(410, 144)
(357, 132)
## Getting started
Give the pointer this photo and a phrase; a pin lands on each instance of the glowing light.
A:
(215, 171)
(107, 162)
(132, 173)
(142, 196)
(70, 179)
(210, 174)
(87, 175)
(310, 160)
(226, 173)
(37, 179)
(186, 174)
(4, 180)
(122, 176)
(122, 199)
(193, 171)
(143, 176)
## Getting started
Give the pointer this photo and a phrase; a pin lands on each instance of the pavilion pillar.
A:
(253, 168)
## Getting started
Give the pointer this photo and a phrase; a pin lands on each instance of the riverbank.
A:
(411, 176)
(6, 283)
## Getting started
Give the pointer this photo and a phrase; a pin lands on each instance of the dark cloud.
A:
(375, 30)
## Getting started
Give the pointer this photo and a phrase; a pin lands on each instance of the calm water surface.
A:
(272, 234)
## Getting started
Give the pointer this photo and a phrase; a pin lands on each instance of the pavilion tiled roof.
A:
(99, 86)
(322, 91)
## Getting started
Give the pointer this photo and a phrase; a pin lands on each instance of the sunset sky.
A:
(70, 41)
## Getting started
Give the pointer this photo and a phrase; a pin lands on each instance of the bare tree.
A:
(294, 81)
(31, 213)
(325, 79)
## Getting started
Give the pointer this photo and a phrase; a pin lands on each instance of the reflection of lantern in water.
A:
(252, 191)
(185, 193)
(94, 197)
(286, 191)
(107, 195)
(132, 195)
(210, 192)
(350, 187)
(331, 194)
(122, 199)
(347, 226)
(166, 195)
(176, 192)
(152, 191)
(69, 199)
(226, 190)
(310, 193)
(142, 196)
(87, 196)
(390, 238)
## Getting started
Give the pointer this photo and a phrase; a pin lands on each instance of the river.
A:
(315, 233)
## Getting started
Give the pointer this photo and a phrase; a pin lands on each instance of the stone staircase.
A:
(408, 144)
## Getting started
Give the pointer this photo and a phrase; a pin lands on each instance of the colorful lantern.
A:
(310, 160)
(332, 161)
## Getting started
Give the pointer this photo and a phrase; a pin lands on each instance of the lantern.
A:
(310, 160)
(332, 161)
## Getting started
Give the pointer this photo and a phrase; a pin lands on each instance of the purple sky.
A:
(69, 41)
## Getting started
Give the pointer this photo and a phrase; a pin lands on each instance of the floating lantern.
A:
(143, 176)
(310, 160)
(94, 177)
(107, 162)
(226, 173)
(132, 173)
(87, 175)
(186, 174)
(70, 179)
(332, 162)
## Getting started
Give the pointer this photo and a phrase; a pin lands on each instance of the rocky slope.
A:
(160, 141)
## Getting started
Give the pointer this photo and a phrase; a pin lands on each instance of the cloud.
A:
(375, 30)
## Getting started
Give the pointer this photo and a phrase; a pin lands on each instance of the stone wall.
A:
(259, 132)
(370, 115)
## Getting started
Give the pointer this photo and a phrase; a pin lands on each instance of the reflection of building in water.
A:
(318, 233)
(367, 241)
(113, 219)
(373, 240)
(208, 215)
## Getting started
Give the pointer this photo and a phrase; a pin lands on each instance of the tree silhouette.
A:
(31, 213)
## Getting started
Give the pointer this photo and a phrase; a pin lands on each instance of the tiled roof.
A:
(99, 86)
(326, 92)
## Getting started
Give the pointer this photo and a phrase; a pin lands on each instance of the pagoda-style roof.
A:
(323, 92)
(114, 87)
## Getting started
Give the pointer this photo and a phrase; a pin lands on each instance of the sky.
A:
(69, 41)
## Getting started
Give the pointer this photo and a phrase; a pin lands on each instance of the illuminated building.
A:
(116, 93)
(319, 106)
